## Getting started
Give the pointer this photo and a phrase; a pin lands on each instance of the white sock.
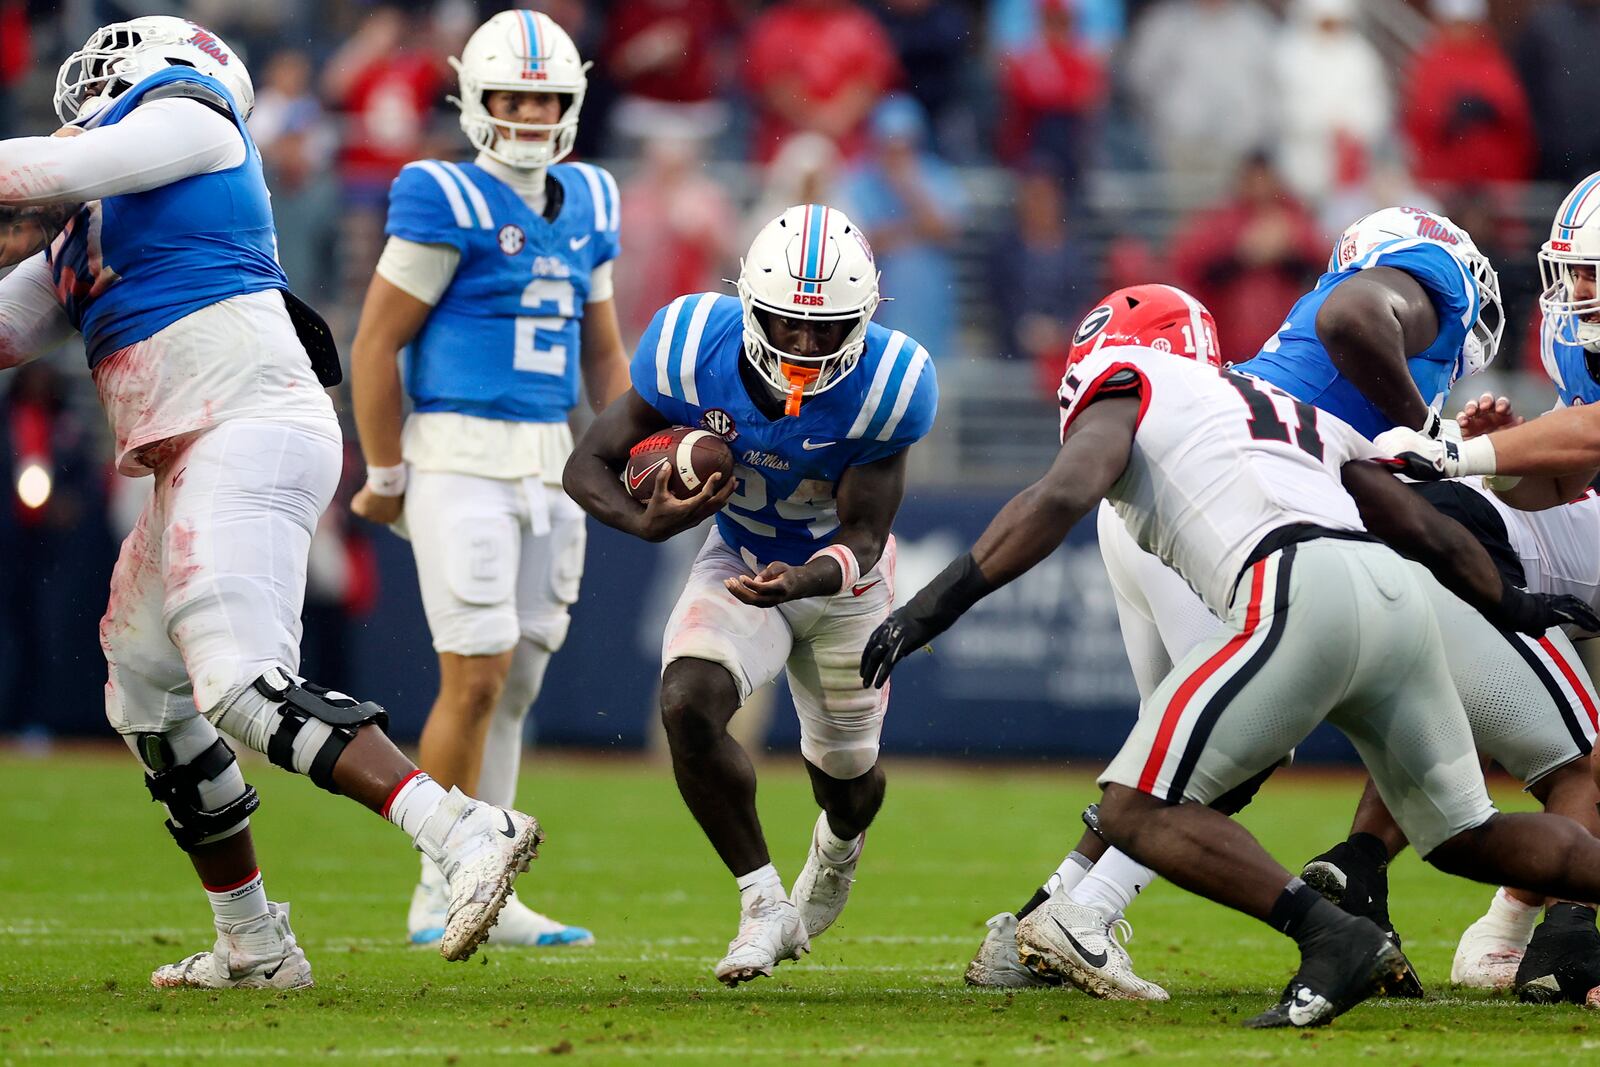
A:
(412, 802)
(1511, 918)
(834, 848)
(761, 882)
(502, 745)
(1068, 875)
(239, 902)
(1112, 884)
(432, 876)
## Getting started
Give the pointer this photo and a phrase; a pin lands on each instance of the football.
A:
(691, 455)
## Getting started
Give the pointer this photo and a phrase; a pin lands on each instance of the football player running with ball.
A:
(819, 406)
(204, 364)
(497, 274)
(1267, 509)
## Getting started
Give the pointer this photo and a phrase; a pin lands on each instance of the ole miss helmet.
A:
(1162, 317)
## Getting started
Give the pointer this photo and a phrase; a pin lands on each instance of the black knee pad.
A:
(306, 702)
(177, 786)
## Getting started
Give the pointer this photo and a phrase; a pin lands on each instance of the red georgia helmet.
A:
(1162, 317)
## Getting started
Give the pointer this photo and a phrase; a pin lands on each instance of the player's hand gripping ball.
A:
(689, 456)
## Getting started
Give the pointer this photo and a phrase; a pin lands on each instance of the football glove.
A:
(927, 615)
(1534, 613)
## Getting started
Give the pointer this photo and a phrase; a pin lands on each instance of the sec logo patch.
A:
(720, 423)
(511, 239)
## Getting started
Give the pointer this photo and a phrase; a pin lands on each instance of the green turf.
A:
(93, 895)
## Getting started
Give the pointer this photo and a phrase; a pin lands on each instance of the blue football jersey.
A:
(1567, 364)
(1295, 360)
(503, 340)
(687, 368)
(126, 267)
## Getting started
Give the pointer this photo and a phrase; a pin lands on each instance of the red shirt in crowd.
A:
(664, 49)
(387, 108)
(1465, 113)
(836, 84)
(1054, 77)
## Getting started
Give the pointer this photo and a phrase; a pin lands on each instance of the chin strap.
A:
(798, 378)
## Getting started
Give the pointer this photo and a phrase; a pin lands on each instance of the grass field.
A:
(93, 895)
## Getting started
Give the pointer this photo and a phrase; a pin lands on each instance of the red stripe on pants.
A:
(1572, 679)
(1191, 684)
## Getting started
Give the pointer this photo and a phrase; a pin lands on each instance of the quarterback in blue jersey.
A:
(819, 407)
(1408, 306)
(496, 280)
(204, 362)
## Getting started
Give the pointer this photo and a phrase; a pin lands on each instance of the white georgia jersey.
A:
(1219, 461)
(1559, 547)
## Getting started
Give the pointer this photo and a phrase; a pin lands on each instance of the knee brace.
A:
(314, 725)
(193, 773)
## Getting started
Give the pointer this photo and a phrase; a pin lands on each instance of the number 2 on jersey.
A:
(1265, 425)
(529, 354)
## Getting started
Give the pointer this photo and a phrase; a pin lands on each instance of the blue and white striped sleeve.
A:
(901, 401)
(602, 188)
(433, 202)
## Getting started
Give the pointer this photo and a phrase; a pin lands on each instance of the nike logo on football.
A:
(862, 587)
(811, 446)
(635, 481)
(510, 830)
(1091, 958)
(579, 242)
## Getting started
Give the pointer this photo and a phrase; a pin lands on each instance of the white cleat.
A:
(521, 926)
(824, 886)
(770, 932)
(430, 910)
(481, 849)
(1075, 943)
(258, 954)
(1485, 959)
(998, 964)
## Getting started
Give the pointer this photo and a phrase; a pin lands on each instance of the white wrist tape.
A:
(848, 564)
(1477, 456)
(387, 481)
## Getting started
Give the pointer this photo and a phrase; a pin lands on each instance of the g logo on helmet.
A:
(1092, 323)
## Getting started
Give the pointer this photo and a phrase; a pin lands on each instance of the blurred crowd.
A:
(986, 148)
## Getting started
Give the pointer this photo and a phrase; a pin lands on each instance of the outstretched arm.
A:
(1415, 529)
(31, 319)
(1030, 527)
(157, 144)
(868, 497)
(1564, 443)
(1369, 325)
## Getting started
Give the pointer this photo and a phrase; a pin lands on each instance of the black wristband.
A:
(945, 599)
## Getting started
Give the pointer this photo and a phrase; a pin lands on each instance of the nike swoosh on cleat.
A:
(269, 975)
(1092, 959)
(510, 830)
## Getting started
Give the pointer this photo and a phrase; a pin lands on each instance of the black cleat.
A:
(1352, 962)
(1356, 879)
(1563, 959)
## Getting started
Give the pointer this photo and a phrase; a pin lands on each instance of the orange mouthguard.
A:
(799, 378)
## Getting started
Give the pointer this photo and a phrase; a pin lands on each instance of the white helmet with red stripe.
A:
(811, 262)
(520, 52)
(119, 55)
(1162, 317)
(1567, 264)
(1411, 223)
